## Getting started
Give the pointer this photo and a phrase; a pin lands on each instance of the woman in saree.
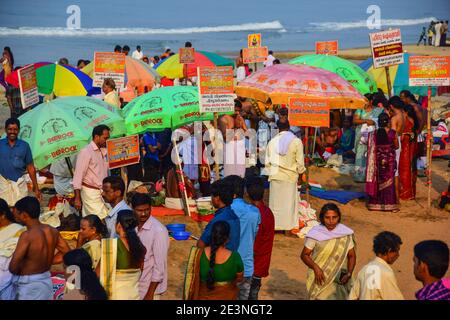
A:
(92, 231)
(122, 259)
(330, 255)
(10, 232)
(213, 273)
(408, 156)
(381, 165)
(363, 117)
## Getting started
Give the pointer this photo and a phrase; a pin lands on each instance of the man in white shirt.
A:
(137, 54)
(376, 280)
(113, 193)
(269, 60)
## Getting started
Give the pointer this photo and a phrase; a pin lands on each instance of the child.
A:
(264, 238)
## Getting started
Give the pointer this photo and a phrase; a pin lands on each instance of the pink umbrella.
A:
(281, 81)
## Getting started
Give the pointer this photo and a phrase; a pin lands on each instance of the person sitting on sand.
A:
(430, 266)
(35, 253)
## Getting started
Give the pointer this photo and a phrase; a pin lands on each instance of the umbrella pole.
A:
(216, 163)
(429, 156)
(180, 169)
(314, 142)
(388, 81)
(69, 165)
(307, 162)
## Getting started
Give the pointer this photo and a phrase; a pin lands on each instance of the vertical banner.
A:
(186, 55)
(327, 47)
(28, 86)
(309, 112)
(123, 151)
(387, 49)
(429, 71)
(254, 40)
(254, 55)
(109, 65)
(216, 92)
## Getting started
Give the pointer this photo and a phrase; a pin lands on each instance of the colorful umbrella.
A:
(399, 75)
(138, 76)
(62, 80)
(281, 81)
(356, 76)
(166, 107)
(172, 68)
(61, 127)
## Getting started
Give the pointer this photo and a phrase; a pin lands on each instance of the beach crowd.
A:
(121, 250)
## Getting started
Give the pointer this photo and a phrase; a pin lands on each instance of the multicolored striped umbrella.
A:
(399, 75)
(172, 68)
(356, 76)
(280, 82)
(62, 80)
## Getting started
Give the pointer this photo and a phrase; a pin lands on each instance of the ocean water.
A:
(37, 30)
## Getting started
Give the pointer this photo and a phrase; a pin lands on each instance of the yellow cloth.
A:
(94, 248)
(286, 167)
(112, 98)
(9, 236)
(376, 281)
(331, 257)
(69, 235)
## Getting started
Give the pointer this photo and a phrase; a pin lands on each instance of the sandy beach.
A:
(413, 223)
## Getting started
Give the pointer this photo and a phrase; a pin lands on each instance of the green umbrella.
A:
(166, 107)
(62, 127)
(356, 76)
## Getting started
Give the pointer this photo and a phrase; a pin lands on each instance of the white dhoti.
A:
(283, 201)
(12, 191)
(34, 286)
(93, 203)
(397, 156)
(234, 163)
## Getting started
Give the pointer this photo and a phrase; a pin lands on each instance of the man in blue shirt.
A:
(222, 197)
(16, 160)
(150, 147)
(249, 219)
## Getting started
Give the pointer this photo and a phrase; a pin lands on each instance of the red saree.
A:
(407, 163)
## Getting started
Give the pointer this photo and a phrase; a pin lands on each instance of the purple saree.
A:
(380, 171)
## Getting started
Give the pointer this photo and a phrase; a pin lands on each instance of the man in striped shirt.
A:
(431, 260)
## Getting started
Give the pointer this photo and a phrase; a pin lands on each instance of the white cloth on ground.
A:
(13, 191)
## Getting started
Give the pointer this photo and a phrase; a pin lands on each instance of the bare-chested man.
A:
(35, 253)
(398, 119)
(234, 155)
(408, 98)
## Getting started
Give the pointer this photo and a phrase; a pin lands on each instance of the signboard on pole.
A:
(123, 151)
(187, 55)
(387, 49)
(254, 55)
(109, 65)
(327, 47)
(216, 92)
(309, 112)
(28, 86)
(254, 40)
(429, 71)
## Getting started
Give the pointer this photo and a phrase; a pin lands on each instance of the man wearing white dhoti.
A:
(16, 159)
(91, 169)
(284, 163)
